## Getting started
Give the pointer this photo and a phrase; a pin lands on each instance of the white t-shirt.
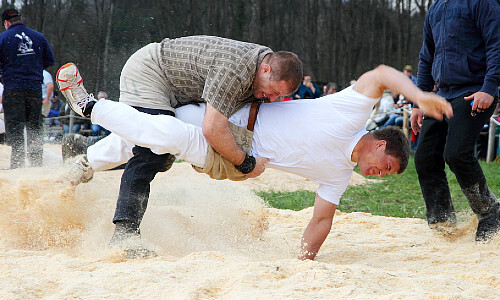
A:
(47, 78)
(312, 138)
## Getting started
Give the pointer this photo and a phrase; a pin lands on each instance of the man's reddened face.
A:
(269, 90)
(377, 162)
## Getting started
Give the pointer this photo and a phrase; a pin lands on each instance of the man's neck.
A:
(10, 24)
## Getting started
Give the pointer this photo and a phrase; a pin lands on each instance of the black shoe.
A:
(446, 228)
(488, 227)
(442, 217)
(139, 252)
(127, 237)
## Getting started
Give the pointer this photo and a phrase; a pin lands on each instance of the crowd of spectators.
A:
(61, 115)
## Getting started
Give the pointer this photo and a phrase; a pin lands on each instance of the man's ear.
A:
(266, 68)
(381, 143)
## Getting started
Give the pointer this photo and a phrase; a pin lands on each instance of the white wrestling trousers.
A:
(129, 127)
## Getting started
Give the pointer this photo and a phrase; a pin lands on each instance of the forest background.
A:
(337, 40)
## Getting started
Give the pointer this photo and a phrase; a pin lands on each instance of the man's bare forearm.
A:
(373, 83)
(314, 236)
(318, 228)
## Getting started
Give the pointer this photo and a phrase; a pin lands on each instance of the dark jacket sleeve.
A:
(318, 92)
(426, 58)
(488, 21)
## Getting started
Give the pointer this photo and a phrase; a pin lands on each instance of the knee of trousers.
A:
(423, 163)
(455, 159)
(168, 163)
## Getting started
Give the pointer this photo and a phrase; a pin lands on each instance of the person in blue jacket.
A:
(307, 89)
(461, 55)
(24, 54)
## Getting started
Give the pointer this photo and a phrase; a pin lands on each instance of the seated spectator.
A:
(307, 90)
(382, 111)
(330, 88)
(396, 118)
(97, 129)
(79, 123)
(55, 106)
(408, 71)
(51, 120)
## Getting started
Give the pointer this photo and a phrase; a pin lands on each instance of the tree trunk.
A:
(105, 57)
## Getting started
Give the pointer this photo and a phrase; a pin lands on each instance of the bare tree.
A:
(337, 39)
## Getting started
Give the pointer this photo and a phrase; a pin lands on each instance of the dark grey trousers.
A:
(453, 141)
(23, 109)
(139, 171)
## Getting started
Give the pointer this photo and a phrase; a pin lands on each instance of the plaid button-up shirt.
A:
(216, 70)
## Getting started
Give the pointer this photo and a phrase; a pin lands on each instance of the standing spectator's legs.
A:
(23, 108)
(15, 114)
(455, 138)
(463, 134)
(430, 166)
(34, 127)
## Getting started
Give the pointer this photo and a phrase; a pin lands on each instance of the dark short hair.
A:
(286, 66)
(397, 145)
(330, 85)
(11, 14)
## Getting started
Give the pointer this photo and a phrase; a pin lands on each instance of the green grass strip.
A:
(397, 195)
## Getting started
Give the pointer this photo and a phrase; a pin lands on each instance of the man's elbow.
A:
(211, 130)
(208, 131)
(381, 66)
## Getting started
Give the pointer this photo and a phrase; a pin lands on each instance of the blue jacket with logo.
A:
(461, 48)
(24, 53)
